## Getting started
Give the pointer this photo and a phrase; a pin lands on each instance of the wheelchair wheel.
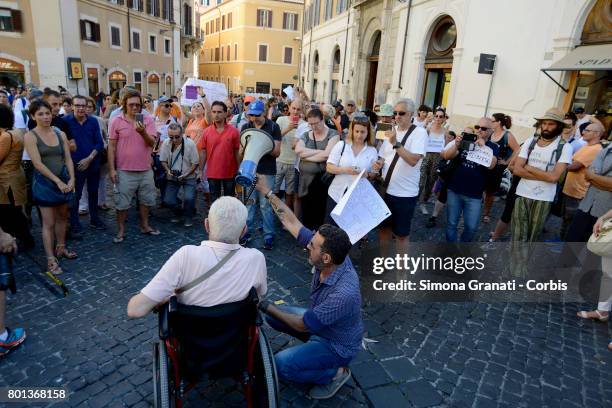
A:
(266, 381)
(161, 392)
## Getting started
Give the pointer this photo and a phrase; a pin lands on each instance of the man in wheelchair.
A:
(242, 268)
(331, 328)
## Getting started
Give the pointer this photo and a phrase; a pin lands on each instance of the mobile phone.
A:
(383, 127)
(139, 117)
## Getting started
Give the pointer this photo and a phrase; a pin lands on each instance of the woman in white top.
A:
(348, 158)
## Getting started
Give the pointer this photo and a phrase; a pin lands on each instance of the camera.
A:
(468, 141)
(175, 173)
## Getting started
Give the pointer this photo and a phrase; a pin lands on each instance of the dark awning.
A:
(586, 58)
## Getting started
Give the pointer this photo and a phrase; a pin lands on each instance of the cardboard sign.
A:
(214, 91)
(434, 144)
(482, 155)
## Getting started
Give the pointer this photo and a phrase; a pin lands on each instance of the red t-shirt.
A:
(220, 151)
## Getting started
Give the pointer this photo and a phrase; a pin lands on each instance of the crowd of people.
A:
(72, 155)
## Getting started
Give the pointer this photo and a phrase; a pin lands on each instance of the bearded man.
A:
(540, 164)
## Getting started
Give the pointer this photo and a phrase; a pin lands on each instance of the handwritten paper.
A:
(360, 209)
(434, 144)
(214, 91)
(482, 155)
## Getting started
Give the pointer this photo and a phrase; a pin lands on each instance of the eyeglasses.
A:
(439, 116)
(80, 106)
(147, 101)
(590, 130)
(483, 128)
(174, 137)
(134, 105)
(349, 104)
(167, 105)
(395, 113)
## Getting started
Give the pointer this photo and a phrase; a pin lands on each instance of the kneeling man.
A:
(331, 328)
(246, 268)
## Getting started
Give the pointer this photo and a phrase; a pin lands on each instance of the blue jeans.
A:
(470, 207)
(313, 362)
(91, 176)
(267, 214)
(189, 193)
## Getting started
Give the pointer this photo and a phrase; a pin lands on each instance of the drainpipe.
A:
(129, 27)
(399, 84)
(348, 20)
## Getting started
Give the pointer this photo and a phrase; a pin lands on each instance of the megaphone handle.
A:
(251, 189)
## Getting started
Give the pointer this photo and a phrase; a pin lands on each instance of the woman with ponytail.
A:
(508, 148)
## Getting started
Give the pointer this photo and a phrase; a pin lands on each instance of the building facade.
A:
(151, 44)
(440, 52)
(252, 45)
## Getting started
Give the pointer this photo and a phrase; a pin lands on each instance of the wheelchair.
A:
(218, 342)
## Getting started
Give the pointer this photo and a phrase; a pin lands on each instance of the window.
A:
(10, 20)
(136, 5)
(263, 53)
(115, 33)
(235, 52)
(336, 64)
(228, 52)
(223, 22)
(262, 87)
(152, 43)
(187, 19)
(229, 20)
(317, 13)
(341, 6)
(90, 31)
(217, 54)
(138, 80)
(264, 18)
(217, 24)
(222, 53)
(206, 30)
(136, 40)
(167, 10)
(328, 9)
(153, 7)
(167, 46)
(288, 55)
(290, 21)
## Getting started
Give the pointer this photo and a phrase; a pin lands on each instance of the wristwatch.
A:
(268, 194)
(397, 145)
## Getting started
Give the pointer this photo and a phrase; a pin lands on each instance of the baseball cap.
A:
(256, 108)
(35, 93)
(163, 99)
(579, 110)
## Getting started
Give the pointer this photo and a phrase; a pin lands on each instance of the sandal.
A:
(151, 231)
(62, 252)
(594, 314)
(53, 266)
(118, 239)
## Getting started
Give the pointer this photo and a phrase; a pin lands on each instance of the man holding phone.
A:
(131, 140)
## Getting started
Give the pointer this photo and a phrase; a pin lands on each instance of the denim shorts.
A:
(402, 210)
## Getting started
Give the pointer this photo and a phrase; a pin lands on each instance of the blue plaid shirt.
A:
(335, 306)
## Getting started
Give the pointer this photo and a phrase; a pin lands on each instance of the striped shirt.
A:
(335, 306)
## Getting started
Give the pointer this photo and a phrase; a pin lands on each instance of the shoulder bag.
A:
(381, 187)
(327, 178)
(602, 244)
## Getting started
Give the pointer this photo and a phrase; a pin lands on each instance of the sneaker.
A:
(188, 223)
(14, 339)
(268, 244)
(246, 238)
(99, 225)
(423, 209)
(431, 222)
(83, 211)
(175, 220)
(329, 390)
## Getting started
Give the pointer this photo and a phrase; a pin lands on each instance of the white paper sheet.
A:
(360, 209)
(434, 145)
(214, 91)
(289, 92)
(481, 155)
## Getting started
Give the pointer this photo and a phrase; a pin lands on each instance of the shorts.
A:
(286, 172)
(402, 211)
(130, 183)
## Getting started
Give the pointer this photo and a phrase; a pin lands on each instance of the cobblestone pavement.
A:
(427, 354)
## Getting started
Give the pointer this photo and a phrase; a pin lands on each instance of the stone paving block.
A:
(369, 374)
(421, 393)
(401, 369)
(386, 397)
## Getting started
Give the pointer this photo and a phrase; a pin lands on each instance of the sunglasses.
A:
(175, 137)
(483, 128)
(134, 105)
(147, 101)
(439, 116)
(167, 105)
(349, 104)
(395, 113)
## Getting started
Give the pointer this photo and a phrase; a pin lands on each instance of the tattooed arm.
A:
(284, 214)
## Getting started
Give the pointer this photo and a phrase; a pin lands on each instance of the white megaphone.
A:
(255, 143)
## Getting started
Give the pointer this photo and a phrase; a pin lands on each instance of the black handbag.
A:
(327, 178)
(381, 185)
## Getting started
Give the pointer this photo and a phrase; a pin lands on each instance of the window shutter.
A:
(83, 29)
(121, 2)
(259, 12)
(16, 20)
(295, 22)
(140, 5)
(131, 3)
(96, 32)
(270, 18)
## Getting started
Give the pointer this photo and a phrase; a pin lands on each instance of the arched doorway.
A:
(335, 75)
(315, 75)
(439, 63)
(12, 73)
(168, 85)
(116, 81)
(372, 69)
(153, 85)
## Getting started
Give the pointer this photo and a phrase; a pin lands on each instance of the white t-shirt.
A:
(542, 158)
(231, 283)
(419, 123)
(405, 178)
(363, 160)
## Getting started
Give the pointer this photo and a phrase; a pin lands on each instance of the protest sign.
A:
(214, 91)
(482, 155)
